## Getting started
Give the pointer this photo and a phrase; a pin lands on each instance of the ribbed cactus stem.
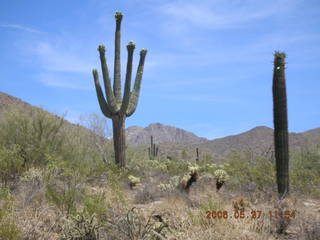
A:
(113, 105)
(197, 153)
(280, 118)
(153, 149)
(117, 65)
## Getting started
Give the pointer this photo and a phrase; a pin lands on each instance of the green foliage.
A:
(95, 204)
(184, 154)
(11, 163)
(34, 130)
(9, 231)
(63, 184)
(305, 171)
(247, 175)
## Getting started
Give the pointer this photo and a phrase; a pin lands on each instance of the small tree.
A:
(101, 132)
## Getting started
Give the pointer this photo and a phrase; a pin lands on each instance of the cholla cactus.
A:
(134, 225)
(165, 187)
(33, 174)
(80, 228)
(134, 181)
(221, 175)
(173, 183)
(193, 167)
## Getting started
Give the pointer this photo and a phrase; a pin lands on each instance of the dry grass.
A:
(183, 214)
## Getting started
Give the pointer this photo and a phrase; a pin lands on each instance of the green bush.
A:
(8, 228)
(305, 171)
(9, 231)
(11, 163)
(63, 184)
(256, 174)
(95, 204)
(36, 132)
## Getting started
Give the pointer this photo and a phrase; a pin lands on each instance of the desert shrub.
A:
(63, 184)
(9, 231)
(305, 171)
(36, 132)
(81, 227)
(310, 229)
(8, 228)
(210, 203)
(11, 163)
(251, 175)
(149, 193)
(133, 225)
(95, 204)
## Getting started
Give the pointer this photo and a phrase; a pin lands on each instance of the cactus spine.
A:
(153, 149)
(280, 120)
(114, 106)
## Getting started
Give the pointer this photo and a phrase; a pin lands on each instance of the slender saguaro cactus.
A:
(153, 149)
(197, 152)
(115, 106)
(280, 119)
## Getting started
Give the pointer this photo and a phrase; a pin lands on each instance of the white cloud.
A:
(219, 14)
(56, 60)
(20, 27)
(61, 81)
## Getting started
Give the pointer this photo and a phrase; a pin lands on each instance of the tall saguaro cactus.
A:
(280, 119)
(153, 149)
(114, 106)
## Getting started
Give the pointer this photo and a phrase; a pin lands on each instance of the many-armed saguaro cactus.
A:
(115, 106)
(280, 119)
(153, 149)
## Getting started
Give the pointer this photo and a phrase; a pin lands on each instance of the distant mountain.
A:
(259, 140)
(172, 141)
(161, 134)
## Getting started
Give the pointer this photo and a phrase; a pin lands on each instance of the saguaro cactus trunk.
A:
(153, 149)
(114, 106)
(280, 119)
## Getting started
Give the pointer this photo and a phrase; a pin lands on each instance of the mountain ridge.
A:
(258, 139)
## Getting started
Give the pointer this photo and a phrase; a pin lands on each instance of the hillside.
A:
(162, 134)
(173, 140)
(7, 100)
(259, 140)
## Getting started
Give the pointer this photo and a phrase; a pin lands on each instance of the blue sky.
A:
(208, 69)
